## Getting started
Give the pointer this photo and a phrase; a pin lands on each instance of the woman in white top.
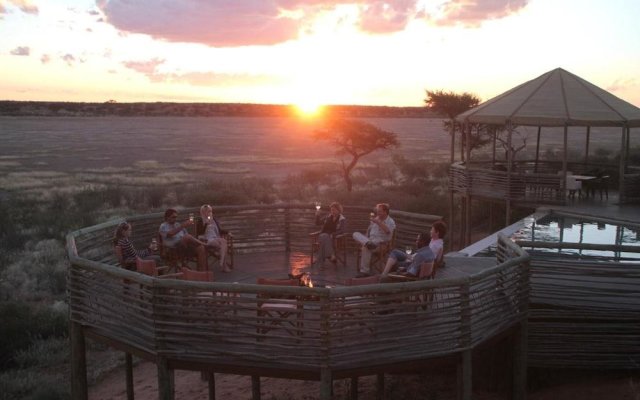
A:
(213, 235)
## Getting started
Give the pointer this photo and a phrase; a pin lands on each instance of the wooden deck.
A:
(249, 267)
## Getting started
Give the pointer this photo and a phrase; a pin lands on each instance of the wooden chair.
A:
(427, 271)
(214, 252)
(129, 264)
(380, 254)
(339, 246)
(173, 257)
(148, 267)
(278, 311)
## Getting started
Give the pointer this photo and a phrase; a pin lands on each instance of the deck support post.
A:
(129, 375)
(79, 389)
(380, 386)
(326, 383)
(354, 388)
(166, 383)
(255, 387)
(520, 343)
(211, 379)
(464, 375)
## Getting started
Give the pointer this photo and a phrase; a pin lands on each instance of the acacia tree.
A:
(357, 139)
(450, 104)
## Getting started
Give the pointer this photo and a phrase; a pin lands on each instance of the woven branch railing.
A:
(488, 183)
(227, 325)
(584, 314)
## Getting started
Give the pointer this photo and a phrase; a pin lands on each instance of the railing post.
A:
(326, 378)
(78, 362)
(464, 363)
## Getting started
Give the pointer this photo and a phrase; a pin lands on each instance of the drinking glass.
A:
(318, 205)
(154, 244)
(372, 214)
(408, 250)
(191, 217)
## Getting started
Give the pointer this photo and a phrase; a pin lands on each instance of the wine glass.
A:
(191, 217)
(318, 205)
(408, 250)
(154, 244)
(372, 215)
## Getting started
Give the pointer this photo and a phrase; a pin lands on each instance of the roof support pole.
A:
(623, 161)
(535, 166)
(563, 184)
(493, 155)
(509, 169)
(468, 143)
(586, 150)
(453, 142)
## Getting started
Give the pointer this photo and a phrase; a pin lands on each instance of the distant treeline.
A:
(67, 109)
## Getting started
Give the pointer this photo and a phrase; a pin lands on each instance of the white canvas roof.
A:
(555, 98)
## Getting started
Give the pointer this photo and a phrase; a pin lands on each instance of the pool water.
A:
(555, 228)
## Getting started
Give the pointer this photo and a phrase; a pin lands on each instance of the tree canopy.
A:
(357, 139)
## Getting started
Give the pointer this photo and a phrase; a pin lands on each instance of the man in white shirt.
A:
(175, 235)
(380, 230)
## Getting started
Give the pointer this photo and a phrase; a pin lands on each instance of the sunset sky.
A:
(309, 51)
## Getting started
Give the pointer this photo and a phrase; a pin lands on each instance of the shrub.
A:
(22, 324)
(44, 353)
(32, 385)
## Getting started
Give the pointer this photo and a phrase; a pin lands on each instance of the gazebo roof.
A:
(556, 98)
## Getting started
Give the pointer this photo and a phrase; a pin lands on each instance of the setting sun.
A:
(308, 108)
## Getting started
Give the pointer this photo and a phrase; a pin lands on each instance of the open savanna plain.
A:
(43, 154)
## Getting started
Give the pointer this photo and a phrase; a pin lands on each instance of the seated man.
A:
(175, 235)
(438, 230)
(380, 230)
(410, 264)
(209, 231)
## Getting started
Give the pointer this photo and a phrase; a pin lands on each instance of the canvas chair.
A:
(339, 246)
(277, 311)
(128, 264)
(215, 252)
(173, 257)
(380, 254)
(148, 267)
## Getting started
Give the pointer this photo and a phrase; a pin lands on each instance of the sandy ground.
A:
(189, 385)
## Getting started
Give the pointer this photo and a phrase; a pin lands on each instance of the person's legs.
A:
(360, 238)
(395, 256)
(191, 243)
(325, 247)
(221, 244)
(365, 260)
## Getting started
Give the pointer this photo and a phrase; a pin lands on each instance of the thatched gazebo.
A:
(557, 98)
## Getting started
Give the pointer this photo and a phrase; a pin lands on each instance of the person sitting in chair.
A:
(209, 231)
(438, 231)
(410, 264)
(332, 224)
(380, 230)
(175, 235)
(129, 253)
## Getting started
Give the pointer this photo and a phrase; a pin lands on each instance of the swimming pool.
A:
(579, 236)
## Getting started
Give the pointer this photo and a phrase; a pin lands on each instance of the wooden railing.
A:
(345, 330)
(584, 314)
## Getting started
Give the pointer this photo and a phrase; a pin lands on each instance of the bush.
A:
(32, 385)
(44, 353)
(38, 272)
(23, 324)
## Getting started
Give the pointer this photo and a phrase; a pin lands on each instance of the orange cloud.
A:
(472, 13)
(224, 23)
(25, 6)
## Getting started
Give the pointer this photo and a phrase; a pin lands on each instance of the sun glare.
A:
(308, 108)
